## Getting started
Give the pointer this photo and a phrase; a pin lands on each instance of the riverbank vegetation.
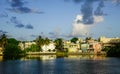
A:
(10, 47)
(113, 51)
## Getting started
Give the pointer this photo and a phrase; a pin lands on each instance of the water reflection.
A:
(87, 57)
(39, 57)
(51, 64)
(53, 57)
(1, 58)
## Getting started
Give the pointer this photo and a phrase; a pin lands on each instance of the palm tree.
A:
(59, 44)
(3, 41)
(47, 41)
(40, 42)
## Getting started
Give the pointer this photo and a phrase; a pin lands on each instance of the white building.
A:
(48, 48)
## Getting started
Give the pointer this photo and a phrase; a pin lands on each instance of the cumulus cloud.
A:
(117, 2)
(25, 10)
(99, 11)
(3, 32)
(3, 14)
(19, 24)
(56, 33)
(29, 26)
(98, 19)
(16, 3)
(81, 29)
(86, 10)
(34, 36)
(88, 18)
(18, 7)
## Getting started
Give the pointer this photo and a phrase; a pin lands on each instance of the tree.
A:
(12, 51)
(114, 51)
(59, 44)
(46, 41)
(33, 48)
(88, 38)
(4, 41)
(13, 41)
(74, 40)
(40, 42)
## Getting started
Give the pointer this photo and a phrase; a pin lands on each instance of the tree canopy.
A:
(59, 44)
(74, 40)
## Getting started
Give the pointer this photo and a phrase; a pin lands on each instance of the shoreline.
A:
(69, 53)
(63, 53)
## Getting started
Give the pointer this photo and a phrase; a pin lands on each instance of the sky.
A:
(27, 19)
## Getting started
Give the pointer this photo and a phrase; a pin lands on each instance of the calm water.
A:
(50, 64)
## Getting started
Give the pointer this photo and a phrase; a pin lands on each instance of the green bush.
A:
(12, 51)
(33, 48)
(114, 51)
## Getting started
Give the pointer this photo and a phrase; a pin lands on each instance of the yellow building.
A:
(109, 40)
(72, 47)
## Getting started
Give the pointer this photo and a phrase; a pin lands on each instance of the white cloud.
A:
(81, 29)
(98, 19)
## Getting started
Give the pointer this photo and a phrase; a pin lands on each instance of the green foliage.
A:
(74, 40)
(59, 44)
(40, 42)
(11, 51)
(3, 41)
(13, 41)
(114, 51)
(33, 48)
(106, 49)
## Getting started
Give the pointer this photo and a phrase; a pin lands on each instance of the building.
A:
(45, 48)
(84, 47)
(49, 48)
(71, 47)
(24, 45)
(108, 42)
(94, 46)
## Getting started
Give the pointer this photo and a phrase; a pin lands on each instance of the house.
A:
(71, 47)
(94, 46)
(108, 42)
(84, 47)
(24, 45)
(49, 48)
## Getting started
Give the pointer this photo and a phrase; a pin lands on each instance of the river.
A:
(50, 64)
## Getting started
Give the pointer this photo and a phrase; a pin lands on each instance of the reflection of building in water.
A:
(40, 57)
(48, 57)
(1, 58)
(92, 57)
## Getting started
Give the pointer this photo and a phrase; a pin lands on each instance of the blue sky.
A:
(26, 19)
